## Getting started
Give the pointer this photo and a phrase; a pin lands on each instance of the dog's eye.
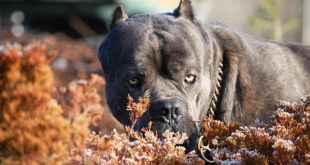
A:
(133, 81)
(190, 78)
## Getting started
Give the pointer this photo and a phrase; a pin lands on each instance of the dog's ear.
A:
(184, 10)
(119, 15)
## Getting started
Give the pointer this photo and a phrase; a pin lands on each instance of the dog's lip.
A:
(166, 120)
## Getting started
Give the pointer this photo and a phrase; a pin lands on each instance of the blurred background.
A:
(75, 28)
(83, 19)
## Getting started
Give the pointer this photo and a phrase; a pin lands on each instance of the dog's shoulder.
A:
(229, 37)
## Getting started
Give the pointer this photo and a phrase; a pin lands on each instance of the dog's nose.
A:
(168, 110)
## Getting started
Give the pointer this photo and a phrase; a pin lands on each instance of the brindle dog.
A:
(175, 60)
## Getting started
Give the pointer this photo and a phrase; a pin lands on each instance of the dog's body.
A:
(175, 60)
(258, 73)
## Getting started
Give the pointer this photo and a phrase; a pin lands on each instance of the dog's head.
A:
(167, 56)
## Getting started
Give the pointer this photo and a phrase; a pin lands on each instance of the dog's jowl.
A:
(189, 69)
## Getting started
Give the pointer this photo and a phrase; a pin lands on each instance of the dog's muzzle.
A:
(167, 111)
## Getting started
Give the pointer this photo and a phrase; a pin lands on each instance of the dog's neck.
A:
(217, 87)
(218, 56)
(216, 51)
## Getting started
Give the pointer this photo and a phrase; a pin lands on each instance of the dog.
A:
(190, 70)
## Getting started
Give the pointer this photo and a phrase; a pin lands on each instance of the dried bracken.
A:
(136, 148)
(137, 109)
(285, 140)
(34, 129)
(141, 148)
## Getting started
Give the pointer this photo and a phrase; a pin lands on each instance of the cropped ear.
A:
(184, 10)
(119, 15)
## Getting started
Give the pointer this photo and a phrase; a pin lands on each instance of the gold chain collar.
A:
(216, 93)
(201, 147)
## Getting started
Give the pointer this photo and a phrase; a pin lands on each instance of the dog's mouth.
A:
(189, 128)
(170, 115)
(184, 125)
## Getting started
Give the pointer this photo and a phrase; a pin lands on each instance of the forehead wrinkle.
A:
(193, 40)
(176, 53)
(181, 52)
(155, 47)
(182, 33)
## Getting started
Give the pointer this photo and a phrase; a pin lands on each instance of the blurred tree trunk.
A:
(306, 22)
